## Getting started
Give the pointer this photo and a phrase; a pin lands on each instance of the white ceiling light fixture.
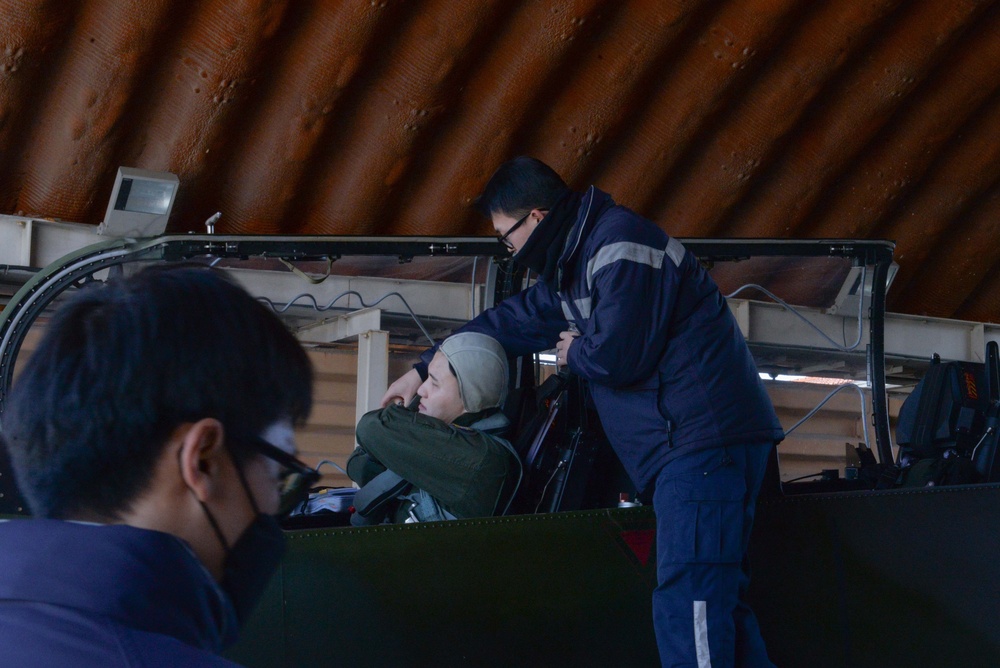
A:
(140, 203)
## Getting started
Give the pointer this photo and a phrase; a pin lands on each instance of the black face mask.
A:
(250, 562)
(542, 250)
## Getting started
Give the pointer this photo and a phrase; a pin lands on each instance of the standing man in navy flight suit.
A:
(629, 309)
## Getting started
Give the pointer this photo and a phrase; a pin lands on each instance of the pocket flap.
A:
(714, 486)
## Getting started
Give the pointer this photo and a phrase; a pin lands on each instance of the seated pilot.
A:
(446, 460)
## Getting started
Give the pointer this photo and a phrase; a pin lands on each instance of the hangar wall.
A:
(817, 445)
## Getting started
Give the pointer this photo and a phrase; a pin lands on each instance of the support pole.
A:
(373, 370)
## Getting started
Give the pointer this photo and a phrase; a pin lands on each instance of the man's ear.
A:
(203, 457)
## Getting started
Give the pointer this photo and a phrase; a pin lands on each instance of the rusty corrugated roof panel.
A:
(875, 119)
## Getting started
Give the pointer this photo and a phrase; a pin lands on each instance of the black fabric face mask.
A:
(542, 250)
(250, 564)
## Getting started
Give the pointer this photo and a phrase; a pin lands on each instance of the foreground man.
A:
(447, 460)
(151, 435)
(631, 311)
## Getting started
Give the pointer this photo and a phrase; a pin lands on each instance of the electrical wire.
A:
(331, 463)
(861, 395)
(303, 275)
(791, 309)
(317, 307)
(517, 487)
(844, 348)
(989, 432)
(545, 490)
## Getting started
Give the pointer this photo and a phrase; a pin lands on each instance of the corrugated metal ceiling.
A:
(836, 118)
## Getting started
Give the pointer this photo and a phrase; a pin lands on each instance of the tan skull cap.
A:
(480, 364)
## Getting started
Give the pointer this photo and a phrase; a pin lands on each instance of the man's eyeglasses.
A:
(505, 238)
(297, 477)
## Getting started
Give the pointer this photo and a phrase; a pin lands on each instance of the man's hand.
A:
(402, 391)
(562, 348)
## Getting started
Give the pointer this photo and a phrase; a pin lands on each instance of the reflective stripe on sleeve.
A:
(675, 251)
(625, 250)
(583, 305)
(701, 635)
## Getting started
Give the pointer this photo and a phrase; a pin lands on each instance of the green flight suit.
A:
(463, 465)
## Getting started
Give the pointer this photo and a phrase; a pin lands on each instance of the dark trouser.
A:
(704, 506)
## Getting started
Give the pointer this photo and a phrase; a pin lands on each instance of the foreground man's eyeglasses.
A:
(297, 477)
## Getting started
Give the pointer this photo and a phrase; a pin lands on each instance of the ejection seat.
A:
(533, 413)
(567, 461)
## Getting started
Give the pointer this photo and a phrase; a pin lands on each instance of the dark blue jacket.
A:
(668, 368)
(105, 596)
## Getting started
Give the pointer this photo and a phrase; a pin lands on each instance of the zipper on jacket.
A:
(586, 214)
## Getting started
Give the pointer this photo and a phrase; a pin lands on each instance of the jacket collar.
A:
(592, 205)
(490, 420)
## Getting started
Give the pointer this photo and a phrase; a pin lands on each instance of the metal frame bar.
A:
(46, 285)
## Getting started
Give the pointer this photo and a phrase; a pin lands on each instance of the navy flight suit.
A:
(682, 404)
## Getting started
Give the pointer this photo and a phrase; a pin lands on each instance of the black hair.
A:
(520, 185)
(123, 364)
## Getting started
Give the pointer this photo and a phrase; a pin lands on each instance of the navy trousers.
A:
(704, 506)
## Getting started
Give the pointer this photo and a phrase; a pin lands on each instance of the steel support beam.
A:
(373, 370)
(339, 327)
(29, 242)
